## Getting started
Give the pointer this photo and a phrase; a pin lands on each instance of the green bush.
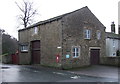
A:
(118, 52)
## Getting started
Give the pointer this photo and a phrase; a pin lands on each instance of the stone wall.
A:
(113, 61)
(25, 38)
(74, 25)
(65, 33)
(51, 39)
(24, 57)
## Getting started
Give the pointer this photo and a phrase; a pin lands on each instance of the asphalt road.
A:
(17, 73)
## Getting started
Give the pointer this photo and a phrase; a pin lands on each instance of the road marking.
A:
(35, 71)
(75, 77)
(59, 73)
(71, 72)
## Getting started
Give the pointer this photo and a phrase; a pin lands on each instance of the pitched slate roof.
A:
(56, 18)
(112, 35)
(50, 20)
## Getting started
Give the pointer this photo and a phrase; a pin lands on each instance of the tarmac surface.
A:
(99, 71)
(27, 73)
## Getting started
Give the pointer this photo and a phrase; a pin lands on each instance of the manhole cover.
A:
(5, 67)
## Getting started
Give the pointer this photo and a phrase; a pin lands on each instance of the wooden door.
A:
(94, 56)
(35, 52)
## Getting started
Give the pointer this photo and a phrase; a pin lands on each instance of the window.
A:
(113, 43)
(35, 30)
(24, 48)
(98, 35)
(87, 34)
(75, 52)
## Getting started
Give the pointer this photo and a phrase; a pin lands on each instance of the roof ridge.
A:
(52, 19)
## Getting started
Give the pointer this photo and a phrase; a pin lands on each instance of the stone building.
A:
(118, 29)
(112, 42)
(75, 39)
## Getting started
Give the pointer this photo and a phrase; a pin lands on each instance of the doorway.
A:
(35, 52)
(94, 56)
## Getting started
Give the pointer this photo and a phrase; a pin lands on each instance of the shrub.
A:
(118, 52)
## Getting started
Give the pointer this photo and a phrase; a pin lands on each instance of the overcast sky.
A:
(105, 10)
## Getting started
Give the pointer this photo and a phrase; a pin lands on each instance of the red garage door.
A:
(94, 56)
(15, 58)
(35, 52)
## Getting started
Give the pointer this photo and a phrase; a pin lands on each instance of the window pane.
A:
(98, 35)
(73, 54)
(24, 48)
(73, 49)
(87, 34)
(77, 54)
(77, 50)
(21, 47)
(36, 30)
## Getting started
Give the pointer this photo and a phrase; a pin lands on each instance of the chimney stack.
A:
(113, 27)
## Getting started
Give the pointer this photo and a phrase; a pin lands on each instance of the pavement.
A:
(98, 71)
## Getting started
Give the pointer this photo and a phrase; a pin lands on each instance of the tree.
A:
(118, 52)
(1, 32)
(27, 13)
(0, 43)
(8, 46)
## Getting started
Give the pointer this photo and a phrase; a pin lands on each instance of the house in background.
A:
(118, 29)
(119, 35)
(71, 40)
(0, 45)
(112, 42)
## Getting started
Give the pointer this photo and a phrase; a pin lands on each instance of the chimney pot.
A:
(113, 27)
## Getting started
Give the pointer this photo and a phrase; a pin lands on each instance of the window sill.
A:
(34, 34)
(76, 57)
(87, 39)
(24, 51)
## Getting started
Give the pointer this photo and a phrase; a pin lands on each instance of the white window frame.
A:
(75, 52)
(35, 30)
(87, 34)
(24, 48)
(98, 35)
